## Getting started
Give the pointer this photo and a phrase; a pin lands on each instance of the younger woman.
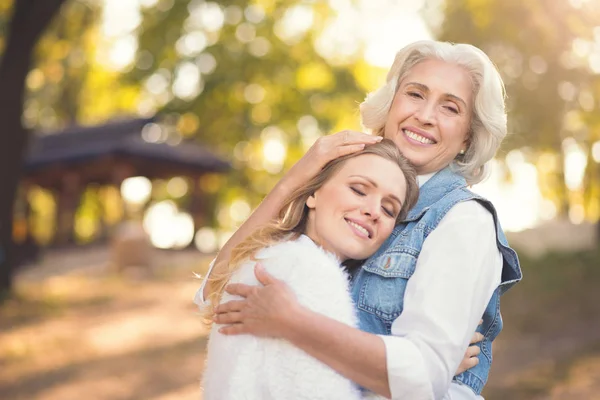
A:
(345, 213)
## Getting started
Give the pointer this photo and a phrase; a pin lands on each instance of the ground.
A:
(77, 329)
(89, 332)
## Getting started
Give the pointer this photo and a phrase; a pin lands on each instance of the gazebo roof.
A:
(118, 140)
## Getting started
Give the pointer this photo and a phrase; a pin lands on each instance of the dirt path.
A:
(87, 333)
(78, 330)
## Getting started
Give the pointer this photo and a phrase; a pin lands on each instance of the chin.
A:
(357, 251)
(358, 256)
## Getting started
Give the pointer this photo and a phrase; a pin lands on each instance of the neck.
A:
(312, 235)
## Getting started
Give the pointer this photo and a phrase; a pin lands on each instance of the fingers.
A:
(228, 318)
(327, 148)
(230, 306)
(468, 363)
(240, 289)
(473, 351)
(236, 329)
(476, 338)
(349, 149)
(348, 142)
(469, 360)
(348, 137)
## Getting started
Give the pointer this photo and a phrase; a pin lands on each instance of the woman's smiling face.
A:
(431, 114)
(355, 211)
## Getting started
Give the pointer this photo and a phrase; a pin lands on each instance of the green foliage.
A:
(5, 14)
(61, 68)
(548, 53)
(532, 44)
(250, 79)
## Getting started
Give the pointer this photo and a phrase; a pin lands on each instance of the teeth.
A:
(360, 228)
(417, 137)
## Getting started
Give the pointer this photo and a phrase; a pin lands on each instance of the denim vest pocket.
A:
(385, 277)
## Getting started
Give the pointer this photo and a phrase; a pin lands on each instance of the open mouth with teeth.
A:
(415, 136)
(360, 229)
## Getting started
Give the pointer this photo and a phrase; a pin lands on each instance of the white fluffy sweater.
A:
(245, 367)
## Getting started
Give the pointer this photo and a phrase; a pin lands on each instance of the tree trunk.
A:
(30, 18)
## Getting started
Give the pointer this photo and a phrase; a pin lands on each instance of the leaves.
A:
(252, 73)
(548, 53)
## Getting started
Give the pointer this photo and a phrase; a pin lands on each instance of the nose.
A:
(372, 209)
(426, 113)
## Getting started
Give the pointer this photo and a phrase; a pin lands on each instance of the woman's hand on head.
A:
(265, 311)
(325, 149)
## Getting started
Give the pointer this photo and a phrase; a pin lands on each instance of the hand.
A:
(325, 149)
(265, 311)
(471, 359)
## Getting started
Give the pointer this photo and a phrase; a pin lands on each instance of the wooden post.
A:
(68, 198)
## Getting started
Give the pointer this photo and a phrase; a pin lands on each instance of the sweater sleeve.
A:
(315, 277)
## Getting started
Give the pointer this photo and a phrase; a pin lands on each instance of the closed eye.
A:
(358, 192)
(415, 95)
(452, 109)
(388, 212)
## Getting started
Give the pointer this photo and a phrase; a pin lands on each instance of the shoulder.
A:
(301, 254)
(459, 206)
(301, 251)
(471, 211)
(468, 223)
(468, 218)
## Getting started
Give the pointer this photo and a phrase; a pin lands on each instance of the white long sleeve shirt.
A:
(457, 272)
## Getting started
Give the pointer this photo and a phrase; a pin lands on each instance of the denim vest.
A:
(378, 286)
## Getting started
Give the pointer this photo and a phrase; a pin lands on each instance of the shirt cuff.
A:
(199, 296)
(407, 375)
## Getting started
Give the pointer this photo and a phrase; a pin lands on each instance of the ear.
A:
(311, 202)
(465, 146)
(467, 141)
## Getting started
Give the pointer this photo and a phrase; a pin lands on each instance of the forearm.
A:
(357, 355)
(265, 212)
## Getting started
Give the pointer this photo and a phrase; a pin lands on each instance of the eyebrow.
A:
(374, 184)
(426, 89)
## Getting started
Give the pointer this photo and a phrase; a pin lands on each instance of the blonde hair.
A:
(293, 216)
(488, 123)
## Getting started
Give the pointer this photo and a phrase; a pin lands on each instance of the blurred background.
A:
(138, 134)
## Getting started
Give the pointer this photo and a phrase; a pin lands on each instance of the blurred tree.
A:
(70, 81)
(549, 55)
(66, 81)
(60, 68)
(27, 22)
(245, 78)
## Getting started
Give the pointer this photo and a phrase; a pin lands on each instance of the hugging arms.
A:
(420, 297)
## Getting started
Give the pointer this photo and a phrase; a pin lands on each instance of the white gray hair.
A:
(488, 123)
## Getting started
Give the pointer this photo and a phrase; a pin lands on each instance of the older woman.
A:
(420, 297)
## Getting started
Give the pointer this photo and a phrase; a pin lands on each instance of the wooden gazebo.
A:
(66, 162)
